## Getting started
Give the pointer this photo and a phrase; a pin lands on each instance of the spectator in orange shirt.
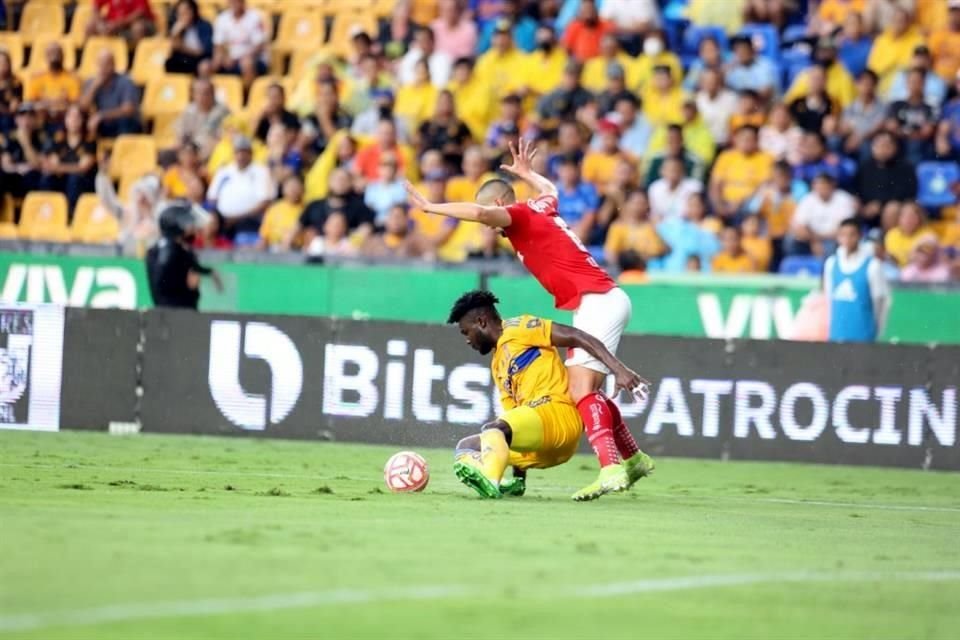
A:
(732, 258)
(599, 164)
(945, 45)
(129, 19)
(583, 35)
(367, 163)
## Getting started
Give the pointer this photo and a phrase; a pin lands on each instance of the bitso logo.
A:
(247, 409)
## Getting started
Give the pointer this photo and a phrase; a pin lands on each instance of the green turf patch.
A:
(172, 537)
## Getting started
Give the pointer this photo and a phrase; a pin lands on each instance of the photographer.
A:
(172, 267)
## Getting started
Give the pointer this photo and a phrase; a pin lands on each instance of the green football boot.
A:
(514, 487)
(473, 477)
(612, 478)
(638, 466)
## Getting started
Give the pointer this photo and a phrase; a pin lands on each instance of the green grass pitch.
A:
(184, 537)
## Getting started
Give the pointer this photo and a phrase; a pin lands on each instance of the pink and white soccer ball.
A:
(406, 471)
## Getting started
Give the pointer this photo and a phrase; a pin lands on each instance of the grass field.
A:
(184, 537)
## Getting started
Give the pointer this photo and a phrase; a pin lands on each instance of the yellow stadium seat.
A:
(12, 43)
(258, 92)
(38, 59)
(8, 231)
(383, 8)
(44, 217)
(229, 90)
(6, 208)
(167, 94)
(133, 155)
(93, 223)
(209, 12)
(164, 131)
(334, 7)
(299, 30)
(345, 23)
(41, 19)
(78, 24)
(160, 12)
(92, 48)
(149, 59)
(423, 11)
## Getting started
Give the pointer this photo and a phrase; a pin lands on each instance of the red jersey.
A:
(553, 253)
(114, 10)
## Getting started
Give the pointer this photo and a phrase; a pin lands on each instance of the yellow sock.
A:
(494, 454)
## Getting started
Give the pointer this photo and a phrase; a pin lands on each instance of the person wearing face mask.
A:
(544, 67)
(583, 35)
(655, 54)
(173, 270)
(633, 20)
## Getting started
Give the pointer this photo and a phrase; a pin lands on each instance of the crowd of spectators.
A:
(683, 135)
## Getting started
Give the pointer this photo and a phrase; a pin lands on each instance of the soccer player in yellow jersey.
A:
(540, 426)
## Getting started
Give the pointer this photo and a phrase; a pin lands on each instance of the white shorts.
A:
(604, 316)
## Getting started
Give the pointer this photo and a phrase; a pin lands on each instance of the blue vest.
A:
(851, 307)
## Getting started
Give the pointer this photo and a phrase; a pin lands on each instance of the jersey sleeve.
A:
(530, 331)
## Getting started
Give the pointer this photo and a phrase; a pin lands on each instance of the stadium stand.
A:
(346, 64)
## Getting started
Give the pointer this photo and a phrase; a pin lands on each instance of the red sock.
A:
(598, 423)
(626, 445)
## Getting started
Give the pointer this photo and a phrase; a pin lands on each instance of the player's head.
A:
(476, 314)
(496, 192)
(848, 234)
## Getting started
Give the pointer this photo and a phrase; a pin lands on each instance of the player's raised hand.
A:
(631, 382)
(416, 198)
(522, 155)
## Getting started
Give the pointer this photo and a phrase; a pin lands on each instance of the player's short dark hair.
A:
(851, 222)
(496, 188)
(472, 300)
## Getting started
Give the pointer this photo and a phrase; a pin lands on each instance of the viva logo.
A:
(749, 316)
(99, 288)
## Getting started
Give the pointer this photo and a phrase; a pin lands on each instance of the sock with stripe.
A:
(598, 424)
(626, 444)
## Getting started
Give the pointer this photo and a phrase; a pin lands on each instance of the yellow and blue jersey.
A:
(526, 366)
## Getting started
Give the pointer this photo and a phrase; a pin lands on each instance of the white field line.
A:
(440, 481)
(312, 599)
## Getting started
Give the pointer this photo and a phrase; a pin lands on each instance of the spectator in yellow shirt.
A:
(756, 244)
(945, 45)
(911, 226)
(417, 101)
(599, 164)
(831, 14)
(655, 54)
(732, 258)
(281, 221)
(501, 67)
(840, 84)
(473, 97)
(595, 70)
(776, 201)
(53, 90)
(663, 99)
(178, 179)
(892, 50)
(738, 173)
(544, 66)
(632, 230)
(463, 188)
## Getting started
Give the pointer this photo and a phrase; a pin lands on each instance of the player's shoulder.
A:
(519, 325)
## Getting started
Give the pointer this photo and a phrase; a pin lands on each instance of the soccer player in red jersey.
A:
(555, 256)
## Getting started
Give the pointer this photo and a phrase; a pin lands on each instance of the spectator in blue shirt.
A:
(524, 29)
(949, 127)
(934, 88)
(710, 57)
(578, 200)
(747, 70)
(635, 129)
(687, 238)
(854, 45)
(816, 160)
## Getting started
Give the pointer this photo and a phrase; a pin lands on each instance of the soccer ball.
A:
(406, 471)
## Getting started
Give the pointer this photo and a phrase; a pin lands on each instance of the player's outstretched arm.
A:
(522, 168)
(497, 217)
(562, 335)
